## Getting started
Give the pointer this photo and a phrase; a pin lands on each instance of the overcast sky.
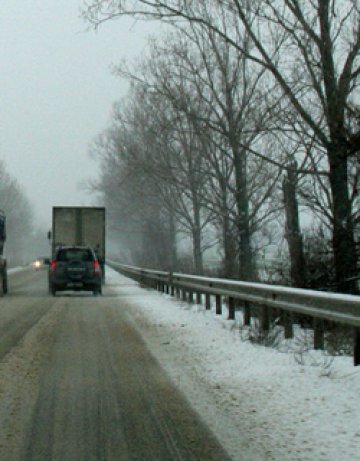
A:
(57, 92)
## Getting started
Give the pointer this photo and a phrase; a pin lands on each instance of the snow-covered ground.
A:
(13, 270)
(262, 403)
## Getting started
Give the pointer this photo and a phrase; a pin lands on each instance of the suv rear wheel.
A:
(52, 290)
(97, 291)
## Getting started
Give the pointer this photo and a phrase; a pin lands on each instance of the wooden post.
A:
(231, 315)
(288, 325)
(357, 346)
(265, 318)
(184, 294)
(247, 313)
(207, 302)
(318, 334)
(218, 305)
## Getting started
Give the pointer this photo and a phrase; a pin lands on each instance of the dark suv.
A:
(75, 268)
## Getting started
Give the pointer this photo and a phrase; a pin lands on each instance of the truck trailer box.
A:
(79, 226)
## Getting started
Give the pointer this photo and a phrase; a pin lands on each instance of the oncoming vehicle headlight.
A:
(37, 264)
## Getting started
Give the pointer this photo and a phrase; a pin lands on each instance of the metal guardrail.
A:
(259, 299)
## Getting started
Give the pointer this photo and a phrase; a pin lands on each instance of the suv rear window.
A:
(71, 254)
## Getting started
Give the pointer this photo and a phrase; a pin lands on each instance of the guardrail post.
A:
(184, 294)
(198, 297)
(247, 313)
(218, 305)
(207, 302)
(231, 315)
(357, 346)
(191, 297)
(169, 288)
(265, 318)
(318, 334)
(288, 325)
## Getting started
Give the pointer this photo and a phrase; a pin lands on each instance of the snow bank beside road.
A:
(261, 404)
(14, 270)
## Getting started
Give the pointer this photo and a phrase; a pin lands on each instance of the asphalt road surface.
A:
(78, 383)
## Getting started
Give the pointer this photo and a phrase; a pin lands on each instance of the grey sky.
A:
(56, 94)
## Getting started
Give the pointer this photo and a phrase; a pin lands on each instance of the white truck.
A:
(85, 226)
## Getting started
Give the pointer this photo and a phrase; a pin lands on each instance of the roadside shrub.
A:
(338, 340)
(319, 260)
(256, 335)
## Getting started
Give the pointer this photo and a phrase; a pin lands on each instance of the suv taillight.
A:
(97, 267)
(53, 266)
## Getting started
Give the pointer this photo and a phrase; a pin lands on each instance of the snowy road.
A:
(78, 383)
(78, 352)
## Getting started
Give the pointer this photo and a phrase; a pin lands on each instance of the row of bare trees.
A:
(244, 108)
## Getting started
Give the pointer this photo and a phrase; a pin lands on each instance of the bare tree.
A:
(176, 165)
(222, 99)
(157, 158)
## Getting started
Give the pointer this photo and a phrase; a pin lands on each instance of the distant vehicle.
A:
(3, 265)
(79, 226)
(75, 268)
(41, 262)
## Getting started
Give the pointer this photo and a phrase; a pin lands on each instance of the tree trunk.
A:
(230, 266)
(293, 233)
(172, 244)
(343, 233)
(229, 243)
(196, 231)
(246, 269)
(148, 255)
